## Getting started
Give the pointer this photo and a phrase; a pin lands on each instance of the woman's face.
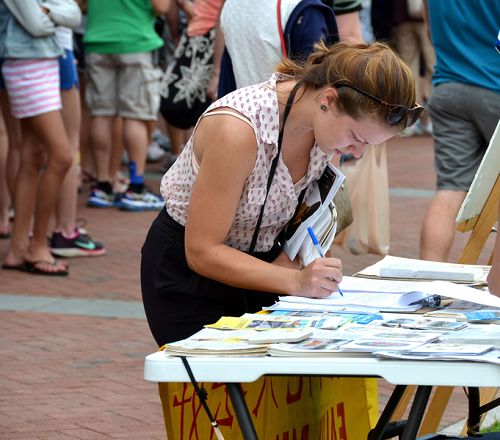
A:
(340, 134)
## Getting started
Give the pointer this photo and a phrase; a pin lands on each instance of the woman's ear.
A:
(331, 96)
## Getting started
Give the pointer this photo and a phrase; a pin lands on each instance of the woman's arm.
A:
(226, 150)
(65, 13)
(160, 6)
(29, 14)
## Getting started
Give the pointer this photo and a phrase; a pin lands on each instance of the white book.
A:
(315, 211)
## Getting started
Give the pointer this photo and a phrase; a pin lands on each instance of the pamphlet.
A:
(317, 212)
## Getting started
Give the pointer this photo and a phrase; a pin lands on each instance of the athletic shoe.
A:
(79, 244)
(100, 199)
(145, 201)
(155, 153)
(161, 139)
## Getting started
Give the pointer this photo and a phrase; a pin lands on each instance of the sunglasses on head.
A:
(395, 113)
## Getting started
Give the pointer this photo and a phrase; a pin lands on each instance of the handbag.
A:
(185, 82)
(369, 187)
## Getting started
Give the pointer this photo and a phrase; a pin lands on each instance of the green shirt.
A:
(120, 26)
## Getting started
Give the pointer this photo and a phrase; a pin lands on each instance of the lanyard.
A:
(274, 164)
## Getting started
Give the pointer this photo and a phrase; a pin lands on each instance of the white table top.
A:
(159, 367)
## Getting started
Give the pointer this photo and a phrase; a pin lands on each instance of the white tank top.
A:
(252, 38)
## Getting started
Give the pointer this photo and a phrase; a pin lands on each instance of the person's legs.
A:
(100, 95)
(458, 147)
(139, 102)
(4, 192)
(438, 229)
(66, 204)
(48, 129)
(14, 139)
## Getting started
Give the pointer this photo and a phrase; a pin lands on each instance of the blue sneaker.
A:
(100, 199)
(145, 201)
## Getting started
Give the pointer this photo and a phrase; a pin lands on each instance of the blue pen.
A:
(318, 249)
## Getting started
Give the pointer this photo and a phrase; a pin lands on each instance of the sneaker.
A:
(78, 245)
(161, 139)
(100, 199)
(155, 153)
(145, 201)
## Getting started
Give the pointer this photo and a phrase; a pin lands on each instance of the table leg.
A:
(378, 433)
(416, 412)
(241, 411)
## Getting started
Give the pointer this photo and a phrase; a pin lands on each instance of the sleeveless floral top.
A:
(259, 104)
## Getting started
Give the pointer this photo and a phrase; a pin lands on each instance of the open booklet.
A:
(318, 212)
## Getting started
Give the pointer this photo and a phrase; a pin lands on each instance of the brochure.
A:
(317, 212)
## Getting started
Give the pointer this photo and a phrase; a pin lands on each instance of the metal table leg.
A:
(378, 432)
(416, 412)
(241, 411)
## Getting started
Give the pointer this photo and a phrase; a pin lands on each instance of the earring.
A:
(323, 107)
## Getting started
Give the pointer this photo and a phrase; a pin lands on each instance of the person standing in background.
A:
(464, 108)
(31, 74)
(123, 80)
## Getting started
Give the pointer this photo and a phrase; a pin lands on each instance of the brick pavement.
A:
(80, 377)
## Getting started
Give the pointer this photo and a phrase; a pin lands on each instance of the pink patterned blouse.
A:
(259, 106)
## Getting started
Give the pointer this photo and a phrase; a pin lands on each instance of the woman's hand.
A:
(319, 279)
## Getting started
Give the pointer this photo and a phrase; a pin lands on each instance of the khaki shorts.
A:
(123, 84)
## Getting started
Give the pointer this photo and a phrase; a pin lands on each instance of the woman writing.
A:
(215, 250)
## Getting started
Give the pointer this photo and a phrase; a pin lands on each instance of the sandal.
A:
(36, 268)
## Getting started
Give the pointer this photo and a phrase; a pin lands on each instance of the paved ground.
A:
(72, 349)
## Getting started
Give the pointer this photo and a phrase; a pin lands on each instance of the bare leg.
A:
(87, 164)
(4, 192)
(14, 138)
(100, 138)
(135, 138)
(48, 129)
(116, 148)
(438, 229)
(66, 205)
(177, 137)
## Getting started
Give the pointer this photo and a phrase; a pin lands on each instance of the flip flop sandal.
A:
(33, 268)
(19, 266)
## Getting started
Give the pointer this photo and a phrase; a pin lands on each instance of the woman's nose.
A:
(357, 150)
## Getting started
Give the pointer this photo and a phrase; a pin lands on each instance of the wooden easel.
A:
(480, 226)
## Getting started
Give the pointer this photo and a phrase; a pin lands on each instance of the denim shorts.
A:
(67, 71)
(464, 118)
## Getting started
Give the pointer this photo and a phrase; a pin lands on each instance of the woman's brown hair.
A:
(374, 68)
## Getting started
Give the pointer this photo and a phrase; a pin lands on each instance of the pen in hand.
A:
(318, 249)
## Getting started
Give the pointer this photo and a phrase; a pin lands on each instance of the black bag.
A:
(184, 86)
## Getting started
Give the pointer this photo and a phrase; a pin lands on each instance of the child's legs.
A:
(66, 205)
(48, 128)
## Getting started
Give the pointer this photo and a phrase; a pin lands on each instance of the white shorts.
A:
(32, 85)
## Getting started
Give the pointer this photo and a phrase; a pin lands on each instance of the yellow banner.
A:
(282, 408)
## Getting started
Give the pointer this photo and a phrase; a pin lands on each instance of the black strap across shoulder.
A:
(274, 164)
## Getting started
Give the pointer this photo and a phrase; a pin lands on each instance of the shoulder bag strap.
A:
(274, 164)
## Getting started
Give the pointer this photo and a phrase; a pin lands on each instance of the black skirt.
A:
(178, 302)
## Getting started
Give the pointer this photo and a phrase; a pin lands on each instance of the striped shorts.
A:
(32, 85)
